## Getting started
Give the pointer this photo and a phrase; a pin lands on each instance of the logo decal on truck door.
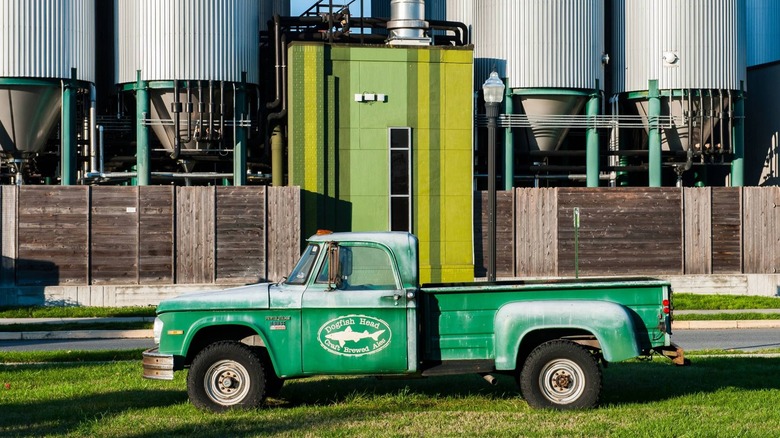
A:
(354, 335)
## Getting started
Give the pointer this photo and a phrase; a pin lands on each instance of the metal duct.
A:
(407, 23)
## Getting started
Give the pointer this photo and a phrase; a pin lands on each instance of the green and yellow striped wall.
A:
(338, 148)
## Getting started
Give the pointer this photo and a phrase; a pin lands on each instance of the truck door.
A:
(355, 313)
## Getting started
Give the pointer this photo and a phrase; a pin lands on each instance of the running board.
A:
(454, 367)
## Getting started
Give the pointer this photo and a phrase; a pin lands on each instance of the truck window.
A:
(302, 269)
(368, 268)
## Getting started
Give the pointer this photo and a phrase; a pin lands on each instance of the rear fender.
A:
(611, 323)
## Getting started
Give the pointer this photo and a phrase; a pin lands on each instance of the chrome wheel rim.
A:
(227, 382)
(562, 381)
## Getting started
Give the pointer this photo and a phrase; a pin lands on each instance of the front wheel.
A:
(561, 375)
(226, 375)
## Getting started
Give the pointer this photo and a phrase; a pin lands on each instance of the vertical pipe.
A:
(592, 139)
(277, 157)
(492, 116)
(68, 131)
(738, 163)
(102, 162)
(654, 135)
(92, 129)
(240, 137)
(509, 146)
(142, 131)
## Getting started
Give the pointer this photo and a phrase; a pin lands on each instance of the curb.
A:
(725, 325)
(76, 334)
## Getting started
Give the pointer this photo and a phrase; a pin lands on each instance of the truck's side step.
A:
(453, 367)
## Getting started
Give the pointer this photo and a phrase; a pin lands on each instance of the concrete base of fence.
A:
(98, 296)
(727, 284)
(151, 295)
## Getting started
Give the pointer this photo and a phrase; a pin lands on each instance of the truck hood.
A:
(253, 296)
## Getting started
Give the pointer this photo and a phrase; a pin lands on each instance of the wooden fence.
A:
(635, 231)
(150, 235)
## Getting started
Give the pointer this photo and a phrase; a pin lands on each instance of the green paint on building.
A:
(339, 144)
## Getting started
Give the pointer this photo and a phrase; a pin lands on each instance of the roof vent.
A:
(407, 23)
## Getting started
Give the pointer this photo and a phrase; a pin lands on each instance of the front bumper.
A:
(158, 366)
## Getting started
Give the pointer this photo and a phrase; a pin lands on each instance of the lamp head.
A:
(493, 89)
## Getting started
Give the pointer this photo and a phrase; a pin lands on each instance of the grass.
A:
(765, 351)
(59, 356)
(726, 316)
(723, 302)
(75, 312)
(714, 397)
(140, 325)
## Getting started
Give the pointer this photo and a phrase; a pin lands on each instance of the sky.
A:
(298, 6)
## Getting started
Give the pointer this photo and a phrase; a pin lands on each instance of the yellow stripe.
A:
(312, 87)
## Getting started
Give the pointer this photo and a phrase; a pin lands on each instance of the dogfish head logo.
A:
(354, 335)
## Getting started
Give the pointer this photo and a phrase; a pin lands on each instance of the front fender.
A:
(611, 323)
(180, 342)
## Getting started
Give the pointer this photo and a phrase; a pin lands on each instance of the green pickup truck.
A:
(354, 305)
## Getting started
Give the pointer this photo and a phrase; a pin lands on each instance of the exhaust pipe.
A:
(490, 379)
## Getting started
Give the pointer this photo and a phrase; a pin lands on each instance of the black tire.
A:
(273, 383)
(226, 375)
(561, 375)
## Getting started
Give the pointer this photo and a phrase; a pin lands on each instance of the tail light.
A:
(667, 313)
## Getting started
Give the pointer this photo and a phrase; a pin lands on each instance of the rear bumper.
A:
(158, 366)
(675, 354)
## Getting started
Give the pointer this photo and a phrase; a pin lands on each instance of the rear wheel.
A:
(561, 375)
(226, 375)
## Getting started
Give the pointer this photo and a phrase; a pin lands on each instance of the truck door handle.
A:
(394, 297)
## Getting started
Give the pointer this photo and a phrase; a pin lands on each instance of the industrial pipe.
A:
(176, 109)
(92, 127)
(460, 30)
(654, 135)
(142, 131)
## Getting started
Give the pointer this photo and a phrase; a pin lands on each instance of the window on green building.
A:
(400, 140)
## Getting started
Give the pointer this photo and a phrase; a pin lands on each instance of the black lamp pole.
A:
(491, 108)
(493, 92)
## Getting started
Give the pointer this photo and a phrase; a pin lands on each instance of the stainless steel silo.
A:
(549, 51)
(694, 53)
(269, 8)
(46, 54)
(192, 57)
(763, 32)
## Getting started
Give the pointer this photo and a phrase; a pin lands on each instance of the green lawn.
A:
(724, 302)
(75, 312)
(714, 397)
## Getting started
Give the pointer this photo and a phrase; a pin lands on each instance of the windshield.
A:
(302, 269)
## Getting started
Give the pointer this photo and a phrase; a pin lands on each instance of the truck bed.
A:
(459, 319)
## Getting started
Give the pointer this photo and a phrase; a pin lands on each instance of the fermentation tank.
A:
(269, 8)
(763, 32)
(695, 52)
(550, 53)
(192, 56)
(46, 46)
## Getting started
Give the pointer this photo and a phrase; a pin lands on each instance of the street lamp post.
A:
(493, 91)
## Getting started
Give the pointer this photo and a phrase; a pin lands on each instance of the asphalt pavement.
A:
(691, 335)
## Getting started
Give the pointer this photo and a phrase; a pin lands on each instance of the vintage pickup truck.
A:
(353, 305)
